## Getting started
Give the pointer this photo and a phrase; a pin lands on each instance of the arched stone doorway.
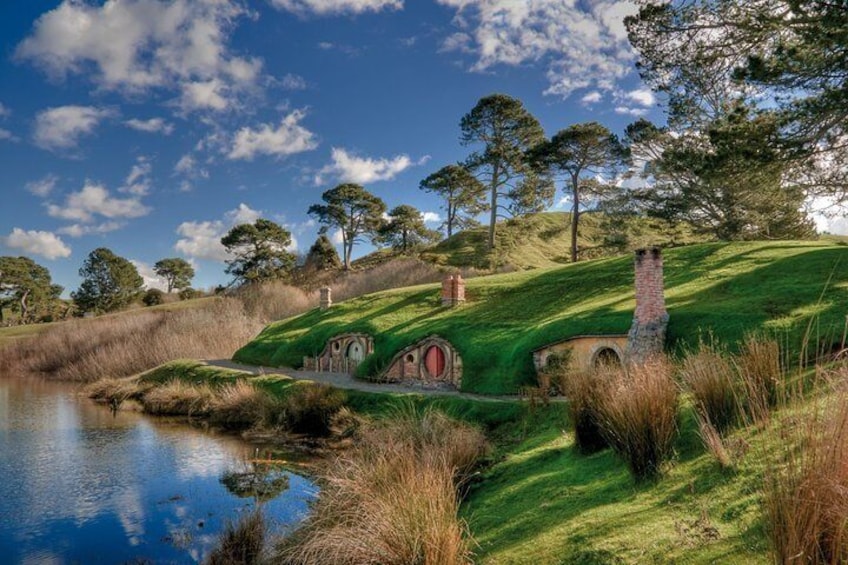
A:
(606, 357)
(355, 352)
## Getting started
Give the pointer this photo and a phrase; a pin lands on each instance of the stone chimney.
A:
(326, 299)
(453, 290)
(647, 334)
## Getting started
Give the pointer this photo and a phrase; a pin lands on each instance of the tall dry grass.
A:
(762, 377)
(637, 412)
(709, 375)
(392, 274)
(583, 390)
(179, 398)
(805, 494)
(128, 344)
(275, 300)
(393, 500)
(241, 542)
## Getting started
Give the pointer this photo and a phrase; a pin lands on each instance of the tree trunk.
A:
(494, 217)
(451, 213)
(575, 217)
(24, 307)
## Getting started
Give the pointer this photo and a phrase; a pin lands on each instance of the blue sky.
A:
(150, 127)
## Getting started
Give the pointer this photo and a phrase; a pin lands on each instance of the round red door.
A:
(434, 361)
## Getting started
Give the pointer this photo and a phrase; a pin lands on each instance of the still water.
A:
(81, 485)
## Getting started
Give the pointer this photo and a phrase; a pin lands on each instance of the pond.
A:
(79, 484)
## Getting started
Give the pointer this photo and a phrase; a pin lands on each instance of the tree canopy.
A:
(109, 282)
(351, 209)
(506, 131)
(405, 229)
(463, 196)
(588, 158)
(177, 273)
(27, 287)
(259, 252)
(322, 256)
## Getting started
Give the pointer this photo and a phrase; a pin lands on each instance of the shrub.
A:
(806, 488)
(240, 543)
(582, 389)
(189, 294)
(393, 499)
(638, 416)
(112, 391)
(709, 376)
(153, 297)
(309, 408)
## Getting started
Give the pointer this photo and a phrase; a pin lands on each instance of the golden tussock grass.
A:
(393, 499)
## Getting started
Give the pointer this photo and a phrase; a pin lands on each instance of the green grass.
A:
(544, 503)
(727, 289)
(544, 240)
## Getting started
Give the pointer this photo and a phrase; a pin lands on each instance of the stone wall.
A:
(342, 354)
(432, 362)
(650, 321)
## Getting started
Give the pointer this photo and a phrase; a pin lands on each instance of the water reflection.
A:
(78, 484)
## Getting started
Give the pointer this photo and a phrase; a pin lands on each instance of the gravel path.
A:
(343, 380)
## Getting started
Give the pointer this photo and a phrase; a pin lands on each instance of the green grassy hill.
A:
(544, 240)
(727, 289)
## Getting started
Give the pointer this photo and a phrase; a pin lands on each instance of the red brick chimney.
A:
(453, 290)
(647, 334)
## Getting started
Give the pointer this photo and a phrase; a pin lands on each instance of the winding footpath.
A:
(345, 381)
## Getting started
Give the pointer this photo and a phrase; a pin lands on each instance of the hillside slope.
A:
(726, 289)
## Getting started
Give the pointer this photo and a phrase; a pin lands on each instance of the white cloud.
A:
(94, 200)
(432, 217)
(326, 7)
(44, 186)
(6, 134)
(286, 139)
(642, 96)
(591, 97)
(138, 180)
(349, 168)
(293, 82)
(4, 111)
(153, 125)
(204, 95)
(580, 44)
(151, 279)
(63, 126)
(202, 240)
(79, 230)
(44, 243)
(337, 237)
(136, 45)
(459, 41)
(186, 164)
(629, 111)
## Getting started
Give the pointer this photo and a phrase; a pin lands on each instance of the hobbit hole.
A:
(342, 354)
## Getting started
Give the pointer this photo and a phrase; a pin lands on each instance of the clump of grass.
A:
(275, 300)
(806, 488)
(758, 365)
(239, 405)
(241, 542)
(638, 416)
(709, 376)
(393, 500)
(582, 388)
(112, 391)
(310, 408)
(178, 398)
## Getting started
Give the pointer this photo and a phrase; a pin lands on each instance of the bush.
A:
(638, 416)
(310, 408)
(709, 376)
(189, 294)
(240, 543)
(153, 297)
